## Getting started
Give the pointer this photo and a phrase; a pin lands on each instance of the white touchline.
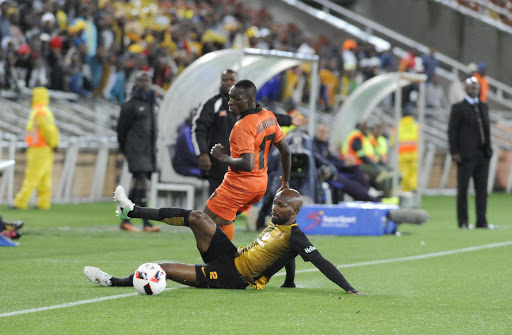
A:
(76, 303)
(383, 261)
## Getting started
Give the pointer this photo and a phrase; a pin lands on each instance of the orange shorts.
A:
(227, 201)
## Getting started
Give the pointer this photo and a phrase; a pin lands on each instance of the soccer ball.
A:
(149, 279)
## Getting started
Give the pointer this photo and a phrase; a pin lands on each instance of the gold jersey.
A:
(274, 247)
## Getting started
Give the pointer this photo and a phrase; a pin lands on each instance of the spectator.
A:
(183, 155)
(370, 63)
(42, 139)
(358, 148)
(115, 92)
(339, 175)
(456, 91)
(349, 81)
(38, 76)
(5, 27)
(387, 63)
(77, 80)
(434, 95)
(412, 62)
(48, 23)
(136, 134)
(13, 15)
(329, 82)
(96, 64)
(470, 146)
(379, 141)
(430, 63)
(348, 53)
(23, 63)
(9, 79)
(56, 65)
(482, 81)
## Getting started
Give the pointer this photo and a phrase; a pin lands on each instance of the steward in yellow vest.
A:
(358, 146)
(408, 152)
(42, 138)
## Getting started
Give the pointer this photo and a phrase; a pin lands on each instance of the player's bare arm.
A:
(244, 163)
(286, 163)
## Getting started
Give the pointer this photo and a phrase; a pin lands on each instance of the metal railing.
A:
(481, 15)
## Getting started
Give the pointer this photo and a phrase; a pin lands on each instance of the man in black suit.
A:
(470, 147)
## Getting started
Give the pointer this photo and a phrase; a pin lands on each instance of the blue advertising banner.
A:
(348, 218)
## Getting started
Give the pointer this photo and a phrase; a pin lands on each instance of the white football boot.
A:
(125, 205)
(97, 276)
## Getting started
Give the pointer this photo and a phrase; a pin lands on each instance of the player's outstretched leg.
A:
(126, 210)
(201, 224)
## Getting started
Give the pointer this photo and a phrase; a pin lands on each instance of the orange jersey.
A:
(254, 133)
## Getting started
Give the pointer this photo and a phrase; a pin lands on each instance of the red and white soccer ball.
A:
(150, 279)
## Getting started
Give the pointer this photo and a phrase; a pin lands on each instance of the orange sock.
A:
(229, 230)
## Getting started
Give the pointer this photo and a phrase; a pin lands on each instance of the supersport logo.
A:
(317, 216)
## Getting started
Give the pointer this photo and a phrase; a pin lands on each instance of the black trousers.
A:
(478, 169)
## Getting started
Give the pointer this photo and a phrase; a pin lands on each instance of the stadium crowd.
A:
(95, 48)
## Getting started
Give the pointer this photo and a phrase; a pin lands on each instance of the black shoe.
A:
(289, 285)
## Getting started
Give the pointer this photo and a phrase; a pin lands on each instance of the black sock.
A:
(126, 281)
(144, 213)
(174, 216)
(163, 214)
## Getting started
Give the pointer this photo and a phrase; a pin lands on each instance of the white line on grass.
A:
(383, 261)
(76, 303)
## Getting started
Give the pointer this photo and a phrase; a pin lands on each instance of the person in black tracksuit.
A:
(211, 125)
(470, 147)
(136, 135)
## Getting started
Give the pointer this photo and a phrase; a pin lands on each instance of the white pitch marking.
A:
(383, 261)
(76, 303)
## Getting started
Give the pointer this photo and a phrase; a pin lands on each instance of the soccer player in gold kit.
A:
(226, 266)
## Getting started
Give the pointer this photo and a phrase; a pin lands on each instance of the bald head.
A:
(472, 87)
(287, 205)
(292, 197)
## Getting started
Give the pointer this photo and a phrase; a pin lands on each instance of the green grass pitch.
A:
(434, 279)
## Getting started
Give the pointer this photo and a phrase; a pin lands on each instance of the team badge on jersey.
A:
(266, 237)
